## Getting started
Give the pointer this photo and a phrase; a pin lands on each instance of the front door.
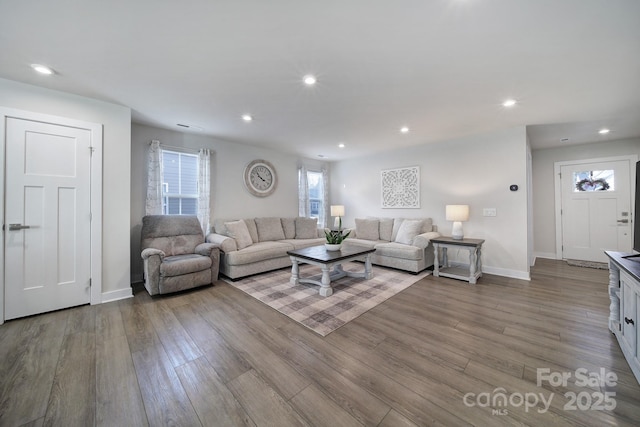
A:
(47, 232)
(596, 203)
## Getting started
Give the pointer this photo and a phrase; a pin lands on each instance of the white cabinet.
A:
(624, 311)
(629, 295)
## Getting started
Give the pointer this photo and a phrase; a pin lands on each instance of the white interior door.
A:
(47, 233)
(596, 203)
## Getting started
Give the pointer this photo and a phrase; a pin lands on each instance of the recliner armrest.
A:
(152, 251)
(205, 249)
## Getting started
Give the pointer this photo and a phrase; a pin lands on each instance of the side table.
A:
(470, 273)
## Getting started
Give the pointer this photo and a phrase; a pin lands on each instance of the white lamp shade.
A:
(337, 210)
(457, 212)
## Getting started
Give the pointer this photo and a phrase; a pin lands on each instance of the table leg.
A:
(325, 287)
(368, 273)
(472, 265)
(445, 258)
(295, 271)
(436, 260)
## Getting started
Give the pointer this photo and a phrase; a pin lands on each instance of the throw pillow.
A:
(408, 231)
(239, 231)
(367, 229)
(269, 229)
(306, 228)
(253, 231)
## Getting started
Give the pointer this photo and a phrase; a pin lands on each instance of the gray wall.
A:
(543, 184)
(229, 198)
(475, 170)
(116, 121)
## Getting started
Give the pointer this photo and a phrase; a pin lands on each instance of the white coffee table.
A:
(318, 255)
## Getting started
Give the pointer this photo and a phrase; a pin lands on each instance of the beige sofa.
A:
(400, 243)
(256, 245)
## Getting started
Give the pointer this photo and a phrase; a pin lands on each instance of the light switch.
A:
(489, 212)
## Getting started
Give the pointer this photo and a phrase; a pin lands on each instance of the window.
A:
(179, 183)
(594, 181)
(315, 185)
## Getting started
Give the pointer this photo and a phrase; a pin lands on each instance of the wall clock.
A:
(260, 178)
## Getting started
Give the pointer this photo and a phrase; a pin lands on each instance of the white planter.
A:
(331, 247)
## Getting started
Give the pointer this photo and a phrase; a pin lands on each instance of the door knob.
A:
(15, 227)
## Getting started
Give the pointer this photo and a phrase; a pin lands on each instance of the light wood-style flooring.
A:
(216, 357)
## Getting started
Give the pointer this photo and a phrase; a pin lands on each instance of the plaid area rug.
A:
(302, 303)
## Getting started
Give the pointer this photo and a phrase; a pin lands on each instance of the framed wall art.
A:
(401, 188)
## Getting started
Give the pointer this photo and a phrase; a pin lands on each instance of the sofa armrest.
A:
(149, 252)
(423, 240)
(227, 244)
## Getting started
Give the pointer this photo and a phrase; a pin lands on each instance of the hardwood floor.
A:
(436, 354)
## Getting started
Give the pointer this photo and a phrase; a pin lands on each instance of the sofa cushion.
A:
(399, 250)
(304, 243)
(239, 231)
(386, 229)
(184, 264)
(306, 228)
(269, 229)
(367, 229)
(408, 231)
(427, 225)
(289, 228)
(258, 252)
(253, 230)
(361, 243)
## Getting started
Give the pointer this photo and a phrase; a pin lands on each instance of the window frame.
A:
(166, 195)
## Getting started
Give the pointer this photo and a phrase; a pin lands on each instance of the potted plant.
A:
(335, 239)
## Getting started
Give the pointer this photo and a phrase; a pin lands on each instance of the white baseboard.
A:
(514, 274)
(117, 295)
(546, 255)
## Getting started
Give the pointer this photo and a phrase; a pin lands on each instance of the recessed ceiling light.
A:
(247, 117)
(309, 80)
(341, 145)
(42, 69)
(604, 131)
(509, 103)
(404, 129)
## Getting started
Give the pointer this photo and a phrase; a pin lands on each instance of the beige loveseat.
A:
(400, 243)
(256, 245)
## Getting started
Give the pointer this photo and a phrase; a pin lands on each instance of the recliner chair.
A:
(175, 254)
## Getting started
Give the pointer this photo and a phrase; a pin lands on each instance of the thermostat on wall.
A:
(513, 187)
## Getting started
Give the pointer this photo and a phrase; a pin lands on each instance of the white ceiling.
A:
(441, 67)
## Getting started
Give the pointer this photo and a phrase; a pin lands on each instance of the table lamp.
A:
(338, 212)
(457, 214)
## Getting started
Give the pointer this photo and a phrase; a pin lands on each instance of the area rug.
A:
(588, 264)
(323, 315)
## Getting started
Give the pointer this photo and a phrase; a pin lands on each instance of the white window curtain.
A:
(303, 192)
(154, 180)
(204, 191)
(325, 213)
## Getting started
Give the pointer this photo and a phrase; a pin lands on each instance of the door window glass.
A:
(594, 181)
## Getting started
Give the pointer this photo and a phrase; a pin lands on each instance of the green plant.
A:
(335, 237)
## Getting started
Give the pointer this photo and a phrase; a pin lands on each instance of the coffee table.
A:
(318, 255)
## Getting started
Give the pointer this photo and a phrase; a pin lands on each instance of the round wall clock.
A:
(260, 178)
